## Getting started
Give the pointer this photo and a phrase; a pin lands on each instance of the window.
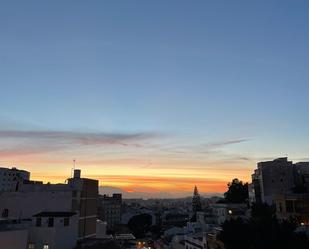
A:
(289, 206)
(31, 246)
(46, 246)
(280, 207)
(50, 223)
(38, 222)
(299, 206)
(5, 213)
(66, 222)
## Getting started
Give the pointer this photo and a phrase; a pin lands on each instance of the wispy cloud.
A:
(31, 142)
(225, 143)
(210, 148)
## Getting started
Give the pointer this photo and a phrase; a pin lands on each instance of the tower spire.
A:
(195, 191)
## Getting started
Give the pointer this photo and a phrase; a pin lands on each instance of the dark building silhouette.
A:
(110, 210)
(196, 201)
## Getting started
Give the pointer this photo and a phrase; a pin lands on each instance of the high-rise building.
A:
(110, 209)
(277, 177)
(11, 178)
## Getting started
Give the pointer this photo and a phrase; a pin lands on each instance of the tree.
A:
(237, 192)
(263, 211)
(140, 224)
(235, 234)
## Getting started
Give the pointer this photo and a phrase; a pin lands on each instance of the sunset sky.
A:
(153, 96)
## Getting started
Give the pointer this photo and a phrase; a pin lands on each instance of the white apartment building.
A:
(10, 178)
(13, 234)
(53, 230)
(46, 230)
(77, 195)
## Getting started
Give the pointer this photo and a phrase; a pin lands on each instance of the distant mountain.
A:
(108, 190)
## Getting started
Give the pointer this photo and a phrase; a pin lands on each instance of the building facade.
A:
(277, 177)
(79, 195)
(11, 178)
(84, 202)
(13, 234)
(226, 211)
(53, 230)
(294, 206)
(110, 210)
(196, 241)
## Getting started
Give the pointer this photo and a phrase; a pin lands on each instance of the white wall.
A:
(27, 204)
(16, 239)
(101, 229)
(57, 237)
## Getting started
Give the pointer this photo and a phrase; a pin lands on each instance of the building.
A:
(226, 211)
(293, 206)
(178, 242)
(84, 202)
(110, 210)
(46, 230)
(101, 229)
(196, 241)
(301, 174)
(175, 219)
(13, 234)
(213, 239)
(11, 178)
(278, 177)
(196, 201)
(78, 195)
(53, 230)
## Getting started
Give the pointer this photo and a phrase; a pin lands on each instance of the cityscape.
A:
(154, 124)
(74, 215)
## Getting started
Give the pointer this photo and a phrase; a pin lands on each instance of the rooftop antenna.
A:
(72, 171)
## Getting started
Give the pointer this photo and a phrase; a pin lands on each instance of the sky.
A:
(153, 97)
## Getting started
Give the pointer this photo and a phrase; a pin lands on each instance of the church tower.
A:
(196, 201)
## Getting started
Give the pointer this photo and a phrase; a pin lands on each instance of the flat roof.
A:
(54, 214)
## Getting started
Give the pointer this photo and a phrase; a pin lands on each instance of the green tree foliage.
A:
(140, 224)
(237, 192)
(262, 231)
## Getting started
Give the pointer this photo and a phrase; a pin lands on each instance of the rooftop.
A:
(54, 214)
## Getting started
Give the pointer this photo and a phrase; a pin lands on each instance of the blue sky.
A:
(198, 72)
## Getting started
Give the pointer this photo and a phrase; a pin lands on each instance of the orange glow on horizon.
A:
(154, 184)
(134, 176)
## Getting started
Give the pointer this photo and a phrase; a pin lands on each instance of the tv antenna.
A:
(72, 170)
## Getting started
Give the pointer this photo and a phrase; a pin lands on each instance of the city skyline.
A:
(153, 98)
